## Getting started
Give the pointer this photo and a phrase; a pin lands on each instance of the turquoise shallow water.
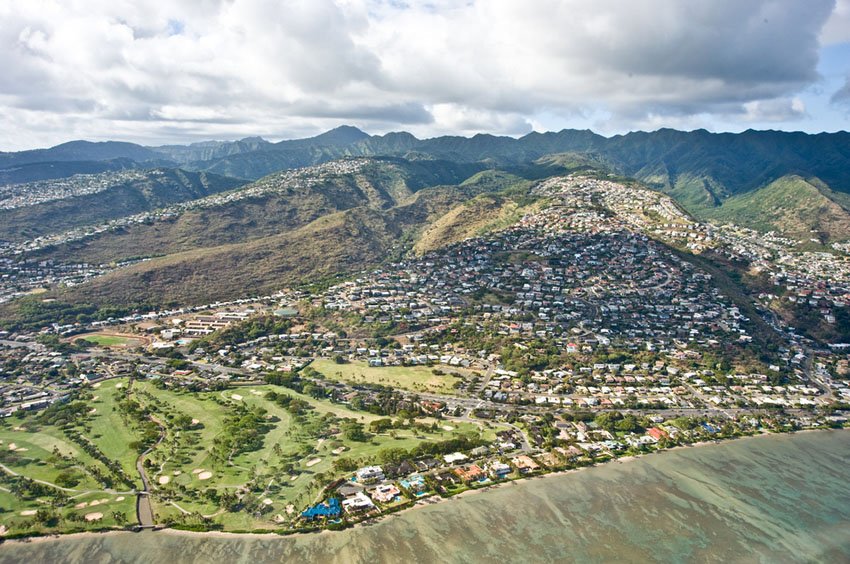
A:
(769, 499)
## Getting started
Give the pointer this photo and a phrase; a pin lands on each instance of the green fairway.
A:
(285, 474)
(108, 429)
(31, 454)
(51, 483)
(261, 487)
(412, 378)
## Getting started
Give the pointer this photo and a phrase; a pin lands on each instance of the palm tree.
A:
(120, 518)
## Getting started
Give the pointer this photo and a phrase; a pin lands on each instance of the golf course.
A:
(242, 458)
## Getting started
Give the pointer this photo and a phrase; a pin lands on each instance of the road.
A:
(487, 377)
(144, 511)
(21, 344)
(812, 374)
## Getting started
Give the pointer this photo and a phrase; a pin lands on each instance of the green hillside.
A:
(334, 244)
(80, 151)
(157, 188)
(281, 206)
(792, 206)
(698, 167)
(270, 242)
(32, 172)
(483, 214)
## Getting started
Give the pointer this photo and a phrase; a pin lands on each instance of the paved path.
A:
(144, 511)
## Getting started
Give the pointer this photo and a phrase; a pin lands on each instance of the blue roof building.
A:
(710, 428)
(329, 509)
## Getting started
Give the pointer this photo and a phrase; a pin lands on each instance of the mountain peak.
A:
(342, 135)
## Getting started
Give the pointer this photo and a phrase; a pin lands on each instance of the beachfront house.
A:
(498, 469)
(525, 464)
(327, 510)
(470, 473)
(358, 503)
(385, 493)
(370, 474)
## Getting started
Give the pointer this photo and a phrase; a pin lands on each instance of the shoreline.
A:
(419, 504)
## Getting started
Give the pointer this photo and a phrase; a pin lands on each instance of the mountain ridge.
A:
(700, 169)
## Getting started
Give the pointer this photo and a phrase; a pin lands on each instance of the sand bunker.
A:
(448, 428)
(339, 450)
(120, 498)
(118, 385)
(28, 512)
(96, 385)
(177, 472)
(195, 421)
(3, 530)
(164, 480)
(256, 392)
(94, 516)
(81, 505)
(205, 475)
(95, 502)
(313, 462)
(237, 397)
(267, 501)
(13, 446)
(92, 411)
(197, 470)
(95, 398)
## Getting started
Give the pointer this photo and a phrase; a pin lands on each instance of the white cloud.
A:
(154, 71)
(837, 28)
(776, 110)
(455, 119)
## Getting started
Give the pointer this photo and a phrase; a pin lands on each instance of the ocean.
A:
(778, 498)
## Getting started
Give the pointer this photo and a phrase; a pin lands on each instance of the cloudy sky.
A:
(153, 72)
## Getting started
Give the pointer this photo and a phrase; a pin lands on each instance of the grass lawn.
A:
(201, 407)
(281, 477)
(32, 451)
(19, 516)
(108, 430)
(412, 378)
(111, 340)
(27, 449)
(288, 444)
